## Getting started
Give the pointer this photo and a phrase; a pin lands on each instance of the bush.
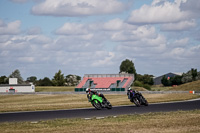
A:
(145, 79)
(44, 82)
(140, 84)
(146, 86)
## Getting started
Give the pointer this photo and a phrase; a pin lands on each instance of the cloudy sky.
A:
(39, 37)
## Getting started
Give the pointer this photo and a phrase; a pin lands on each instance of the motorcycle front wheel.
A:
(136, 101)
(96, 104)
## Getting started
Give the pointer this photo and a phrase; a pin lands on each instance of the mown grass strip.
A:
(53, 88)
(170, 122)
(12, 103)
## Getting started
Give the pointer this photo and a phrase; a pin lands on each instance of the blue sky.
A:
(40, 37)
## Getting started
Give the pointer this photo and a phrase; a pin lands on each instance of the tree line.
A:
(58, 80)
(146, 80)
(191, 75)
(126, 66)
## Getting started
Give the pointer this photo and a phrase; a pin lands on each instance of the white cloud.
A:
(180, 26)
(131, 35)
(34, 31)
(106, 61)
(114, 24)
(4, 38)
(78, 7)
(26, 59)
(192, 6)
(158, 12)
(111, 26)
(177, 52)
(76, 44)
(11, 28)
(4, 53)
(146, 46)
(180, 43)
(72, 29)
(195, 51)
(2, 23)
(14, 43)
(40, 39)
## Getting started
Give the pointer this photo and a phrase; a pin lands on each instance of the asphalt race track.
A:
(92, 112)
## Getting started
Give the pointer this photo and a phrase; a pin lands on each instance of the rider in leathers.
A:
(130, 93)
(91, 92)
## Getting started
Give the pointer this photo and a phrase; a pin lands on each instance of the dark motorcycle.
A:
(137, 98)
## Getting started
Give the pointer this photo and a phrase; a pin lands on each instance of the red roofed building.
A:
(109, 82)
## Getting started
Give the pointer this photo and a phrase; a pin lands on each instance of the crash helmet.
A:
(129, 88)
(87, 90)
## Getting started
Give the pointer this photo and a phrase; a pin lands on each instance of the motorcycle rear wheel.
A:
(109, 106)
(146, 103)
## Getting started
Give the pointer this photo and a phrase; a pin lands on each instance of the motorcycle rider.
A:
(91, 92)
(130, 93)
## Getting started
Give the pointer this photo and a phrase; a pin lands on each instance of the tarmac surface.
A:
(88, 113)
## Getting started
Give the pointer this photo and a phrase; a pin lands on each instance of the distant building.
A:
(12, 81)
(157, 80)
(13, 87)
(106, 82)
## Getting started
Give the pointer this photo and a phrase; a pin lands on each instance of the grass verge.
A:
(190, 86)
(54, 88)
(12, 103)
(170, 122)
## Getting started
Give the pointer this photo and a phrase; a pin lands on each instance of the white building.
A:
(14, 87)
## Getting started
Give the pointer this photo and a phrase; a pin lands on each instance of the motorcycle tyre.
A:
(109, 106)
(137, 102)
(146, 103)
(97, 105)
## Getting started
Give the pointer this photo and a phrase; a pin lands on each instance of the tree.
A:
(165, 81)
(32, 79)
(3, 80)
(145, 79)
(58, 79)
(16, 74)
(198, 75)
(194, 74)
(44, 82)
(128, 67)
(176, 80)
(72, 80)
(190, 76)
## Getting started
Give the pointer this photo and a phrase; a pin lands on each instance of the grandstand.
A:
(106, 82)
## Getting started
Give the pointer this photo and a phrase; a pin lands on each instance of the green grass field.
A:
(35, 102)
(191, 86)
(170, 122)
(54, 88)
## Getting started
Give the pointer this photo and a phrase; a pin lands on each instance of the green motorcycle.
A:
(98, 102)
